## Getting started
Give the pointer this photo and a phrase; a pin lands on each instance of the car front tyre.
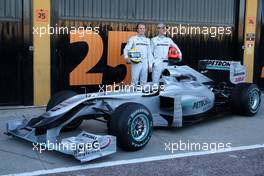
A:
(132, 124)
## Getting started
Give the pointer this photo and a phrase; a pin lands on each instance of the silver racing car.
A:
(183, 95)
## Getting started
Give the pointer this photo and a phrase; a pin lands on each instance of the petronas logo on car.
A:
(200, 104)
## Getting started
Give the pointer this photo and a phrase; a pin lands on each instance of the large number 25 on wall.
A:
(79, 75)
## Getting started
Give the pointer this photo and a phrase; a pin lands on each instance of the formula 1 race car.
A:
(183, 94)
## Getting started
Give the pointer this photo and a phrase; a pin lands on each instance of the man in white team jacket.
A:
(160, 46)
(139, 71)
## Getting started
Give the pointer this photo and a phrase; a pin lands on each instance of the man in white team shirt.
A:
(160, 46)
(139, 71)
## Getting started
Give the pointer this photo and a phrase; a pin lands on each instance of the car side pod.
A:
(84, 147)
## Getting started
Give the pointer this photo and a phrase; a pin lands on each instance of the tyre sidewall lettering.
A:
(250, 91)
(129, 123)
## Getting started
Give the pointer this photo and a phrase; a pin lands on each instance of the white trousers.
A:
(158, 67)
(139, 72)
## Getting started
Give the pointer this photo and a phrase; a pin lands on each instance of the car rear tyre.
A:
(132, 124)
(246, 99)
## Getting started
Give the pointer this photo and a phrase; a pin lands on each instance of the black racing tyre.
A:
(132, 124)
(57, 99)
(246, 99)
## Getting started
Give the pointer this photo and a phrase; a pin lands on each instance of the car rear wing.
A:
(223, 71)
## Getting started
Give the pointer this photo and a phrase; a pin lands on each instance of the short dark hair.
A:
(140, 24)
